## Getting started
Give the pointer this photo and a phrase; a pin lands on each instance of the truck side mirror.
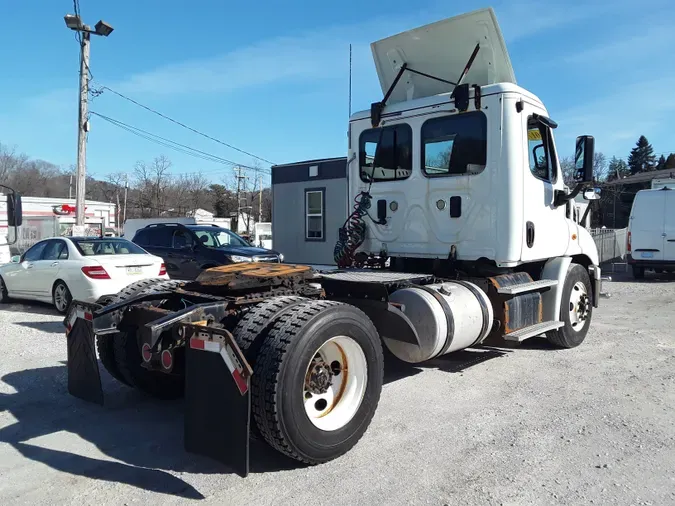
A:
(583, 159)
(14, 211)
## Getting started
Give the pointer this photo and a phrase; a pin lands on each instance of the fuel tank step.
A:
(532, 331)
(527, 287)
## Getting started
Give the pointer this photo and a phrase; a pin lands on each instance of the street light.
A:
(74, 22)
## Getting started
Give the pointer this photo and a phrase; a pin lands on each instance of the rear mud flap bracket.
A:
(217, 397)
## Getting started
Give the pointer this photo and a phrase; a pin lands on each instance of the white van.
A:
(651, 232)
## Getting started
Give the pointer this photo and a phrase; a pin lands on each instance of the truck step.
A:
(528, 287)
(532, 331)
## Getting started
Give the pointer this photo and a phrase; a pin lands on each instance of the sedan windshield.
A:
(95, 247)
(215, 237)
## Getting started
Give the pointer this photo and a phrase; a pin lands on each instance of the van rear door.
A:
(646, 225)
(669, 226)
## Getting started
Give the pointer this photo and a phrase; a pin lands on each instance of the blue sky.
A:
(273, 79)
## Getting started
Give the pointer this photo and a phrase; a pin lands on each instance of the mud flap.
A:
(217, 397)
(84, 378)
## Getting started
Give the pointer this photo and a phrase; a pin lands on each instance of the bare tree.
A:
(153, 181)
(10, 162)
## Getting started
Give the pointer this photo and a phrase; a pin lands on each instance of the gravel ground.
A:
(520, 425)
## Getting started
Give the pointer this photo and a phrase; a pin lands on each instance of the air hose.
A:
(353, 232)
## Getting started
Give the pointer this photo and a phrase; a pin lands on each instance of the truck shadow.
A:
(49, 327)
(141, 438)
(456, 362)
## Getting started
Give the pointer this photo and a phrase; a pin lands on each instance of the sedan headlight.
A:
(238, 258)
(281, 257)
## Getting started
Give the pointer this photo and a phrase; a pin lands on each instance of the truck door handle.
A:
(54, 264)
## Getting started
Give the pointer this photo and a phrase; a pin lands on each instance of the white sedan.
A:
(61, 269)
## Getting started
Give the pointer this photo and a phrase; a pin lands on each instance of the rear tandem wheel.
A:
(317, 381)
(112, 348)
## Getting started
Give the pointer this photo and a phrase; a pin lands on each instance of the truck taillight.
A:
(95, 272)
(162, 269)
(628, 250)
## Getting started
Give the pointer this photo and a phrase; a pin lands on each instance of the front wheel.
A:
(576, 309)
(318, 380)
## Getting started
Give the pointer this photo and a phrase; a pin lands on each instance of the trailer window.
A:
(454, 145)
(394, 153)
(314, 214)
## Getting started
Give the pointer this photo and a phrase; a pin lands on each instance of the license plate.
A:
(647, 254)
(134, 271)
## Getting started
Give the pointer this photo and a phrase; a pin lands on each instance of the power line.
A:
(186, 126)
(182, 148)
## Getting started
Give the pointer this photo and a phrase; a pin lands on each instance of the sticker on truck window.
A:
(534, 135)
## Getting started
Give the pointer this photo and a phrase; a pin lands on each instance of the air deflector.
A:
(442, 49)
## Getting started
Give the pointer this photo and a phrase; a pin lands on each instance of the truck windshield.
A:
(214, 237)
(393, 146)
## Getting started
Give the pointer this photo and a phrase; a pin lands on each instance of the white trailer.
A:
(262, 235)
(463, 232)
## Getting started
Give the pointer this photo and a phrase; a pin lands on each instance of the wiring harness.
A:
(353, 232)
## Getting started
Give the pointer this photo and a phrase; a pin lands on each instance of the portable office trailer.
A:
(309, 205)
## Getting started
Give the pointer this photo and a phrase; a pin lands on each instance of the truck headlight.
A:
(238, 258)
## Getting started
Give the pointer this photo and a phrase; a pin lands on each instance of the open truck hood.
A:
(442, 49)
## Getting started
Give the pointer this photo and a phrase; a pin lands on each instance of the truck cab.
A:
(472, 176)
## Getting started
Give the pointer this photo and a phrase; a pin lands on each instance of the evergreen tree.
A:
(661, 164)
(642, 157)
(670, 162)
(618, 168)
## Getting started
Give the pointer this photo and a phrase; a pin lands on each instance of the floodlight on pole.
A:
(103, 28)
(74, 22)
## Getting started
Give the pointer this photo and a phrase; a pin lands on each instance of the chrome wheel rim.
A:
(579, 306)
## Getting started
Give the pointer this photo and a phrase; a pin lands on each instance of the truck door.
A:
(545, 228)
(669, 227)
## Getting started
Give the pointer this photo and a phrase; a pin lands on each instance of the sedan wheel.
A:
(61, 297)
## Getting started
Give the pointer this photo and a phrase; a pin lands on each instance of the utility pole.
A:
(239, 178)
(74, 22)
(70, 187)
(260, 195)
(82, 129)
(126, 189)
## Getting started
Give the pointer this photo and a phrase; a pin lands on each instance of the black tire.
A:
(279, 378)
(638, 272)
(253, 328)
(105, 344)
(567, 336)
(67, 298)
(4, 297)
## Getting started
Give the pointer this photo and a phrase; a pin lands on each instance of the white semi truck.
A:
(462, 231)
